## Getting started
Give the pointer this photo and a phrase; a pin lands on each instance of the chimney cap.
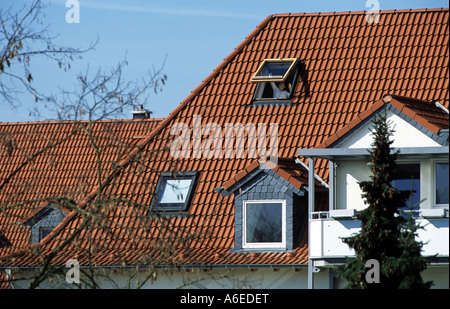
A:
(141, 113)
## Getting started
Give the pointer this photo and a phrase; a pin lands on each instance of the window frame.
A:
(278, 78)
(434, 187)
(44, 230)
(264, 245)
(156, 205)
(261, 82)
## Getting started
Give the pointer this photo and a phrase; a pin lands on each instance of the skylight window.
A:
(174, 191)
(275, 78)
(275, 70)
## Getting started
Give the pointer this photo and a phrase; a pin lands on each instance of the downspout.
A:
(332, 187)
(9, 278)
(311, 202)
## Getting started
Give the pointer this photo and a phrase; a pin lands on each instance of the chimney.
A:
(141, 113)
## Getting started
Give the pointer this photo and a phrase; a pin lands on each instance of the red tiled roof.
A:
(349, 64)
(425, 113)
(287, 168)
(31, 172)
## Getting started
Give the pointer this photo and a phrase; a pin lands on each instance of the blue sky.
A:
(193, 36)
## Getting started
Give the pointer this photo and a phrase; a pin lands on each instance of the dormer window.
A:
(264, 224)
(43, 222)
(44, 231)
(275, 79)
(270, 210)
(174, 191)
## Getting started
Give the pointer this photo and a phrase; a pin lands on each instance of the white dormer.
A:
(405, 135)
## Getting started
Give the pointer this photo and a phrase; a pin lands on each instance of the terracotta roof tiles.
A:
(349, 65)
(31, 170)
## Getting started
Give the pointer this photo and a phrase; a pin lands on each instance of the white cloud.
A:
(199, 12)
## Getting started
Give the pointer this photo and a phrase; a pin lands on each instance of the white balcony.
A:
(328, 228)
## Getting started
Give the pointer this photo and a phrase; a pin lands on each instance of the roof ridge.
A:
(392, 11)
(46, 122)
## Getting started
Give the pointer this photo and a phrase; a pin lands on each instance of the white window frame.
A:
(264, 245)
(433, 189)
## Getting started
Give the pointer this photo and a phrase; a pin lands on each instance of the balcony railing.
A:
(328, 228)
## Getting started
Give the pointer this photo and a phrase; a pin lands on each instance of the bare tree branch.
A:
(23, 38)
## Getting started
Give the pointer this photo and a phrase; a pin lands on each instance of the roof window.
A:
(275, 79)
(174, 191)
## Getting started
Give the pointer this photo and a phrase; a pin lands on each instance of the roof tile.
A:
(349, 66)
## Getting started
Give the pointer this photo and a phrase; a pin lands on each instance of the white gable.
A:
(405, 135)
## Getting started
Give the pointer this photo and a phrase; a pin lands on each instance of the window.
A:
(44, 231)
(441, 184)
(408, 179)
(275, 79)
(44, 221)
(264, 224)
(174, 191)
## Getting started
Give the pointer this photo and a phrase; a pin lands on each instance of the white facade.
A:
(404, 135)
(219, 278)
(198, 278)
(350, 172)
(349, 164)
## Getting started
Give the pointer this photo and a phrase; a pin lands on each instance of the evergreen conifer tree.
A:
(411, 262)
(385, 235)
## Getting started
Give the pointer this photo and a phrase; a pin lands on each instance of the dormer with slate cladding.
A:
(270, 207)
(43, 222)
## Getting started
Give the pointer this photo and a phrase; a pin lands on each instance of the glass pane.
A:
(442, 174)
(271, 69)
(44, 231)
(407, 179)
(174, 190)
(263, 222)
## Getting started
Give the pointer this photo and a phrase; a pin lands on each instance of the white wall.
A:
(405, 135)
(349, 173)
(348, 193)
(438, 274)
(237, 278)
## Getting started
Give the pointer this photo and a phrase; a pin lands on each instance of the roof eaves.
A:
(254, 168)
(396, 101)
